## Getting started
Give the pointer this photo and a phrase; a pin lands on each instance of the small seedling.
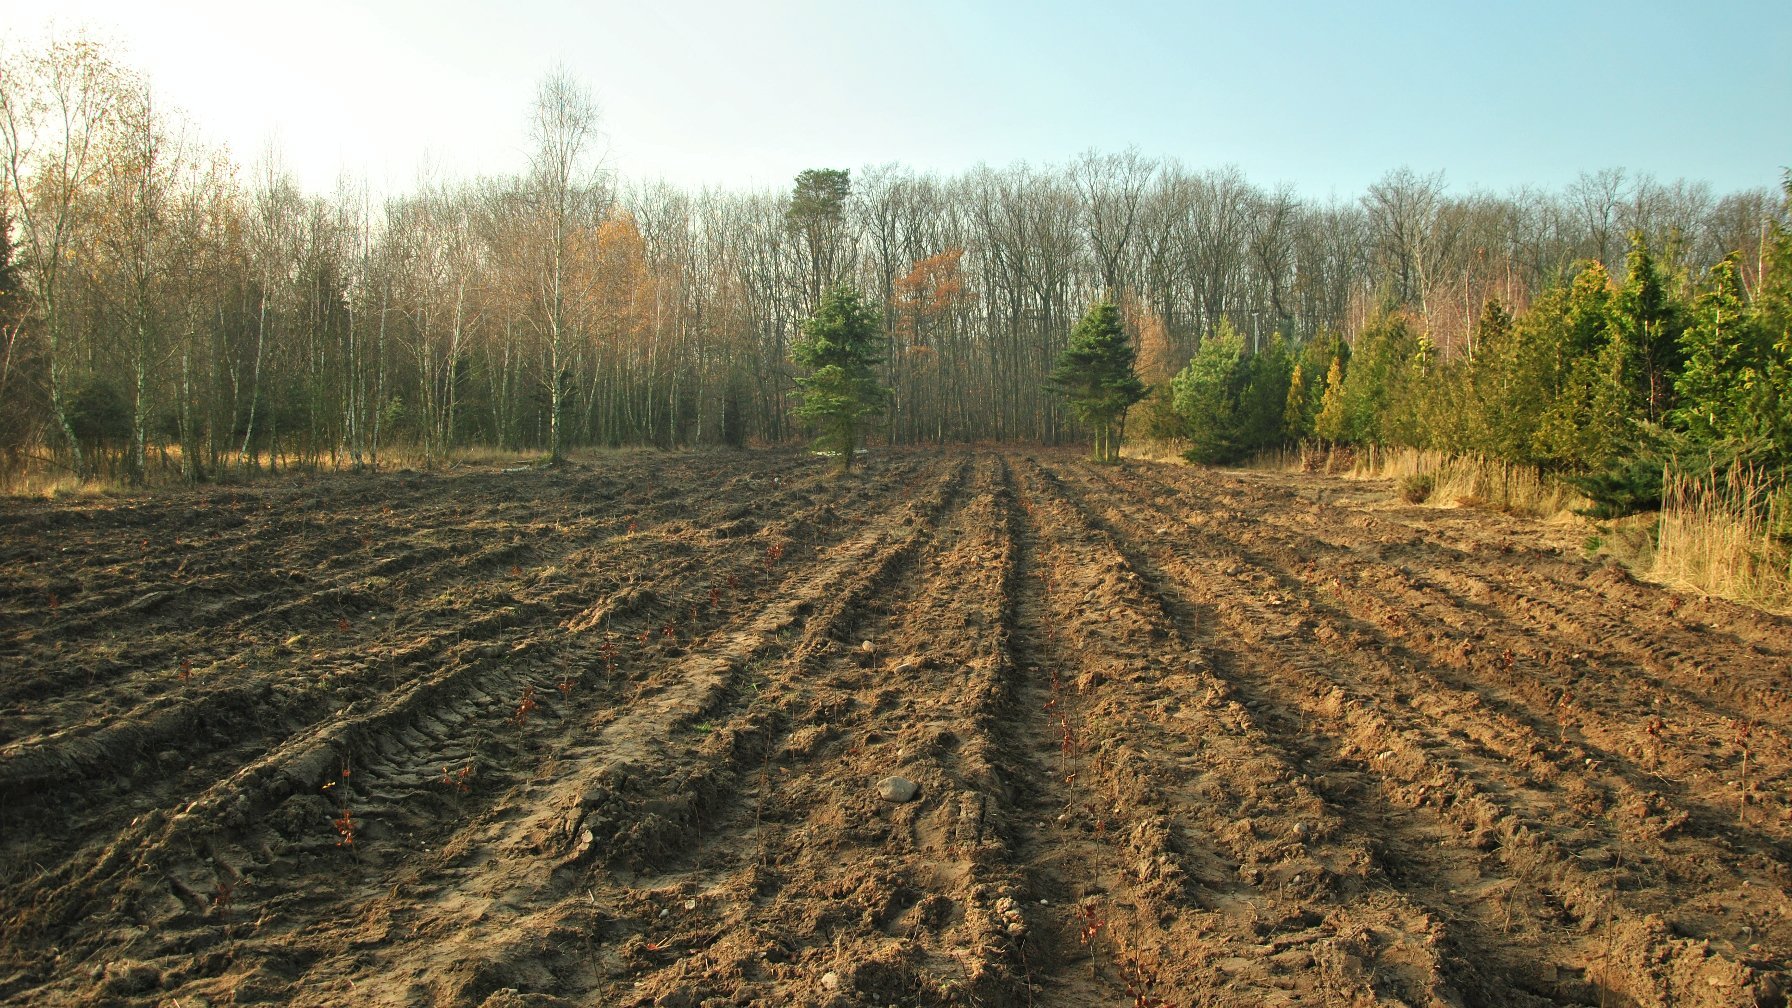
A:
(1743, 728)
(345, 828)
(773, 554)
(715, 597)
(1090, 924)
(342, 624)
(221, 898)
(457, 782)
(632, 527)
(1564, 713)
(525, 707)
(1141, 981)
(565, 686)
(516, 570)
(332, 783)
(186, 669)
(55, 603)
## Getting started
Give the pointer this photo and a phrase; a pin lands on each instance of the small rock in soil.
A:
(897, 789)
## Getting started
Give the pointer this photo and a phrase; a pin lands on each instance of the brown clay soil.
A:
(612, 734)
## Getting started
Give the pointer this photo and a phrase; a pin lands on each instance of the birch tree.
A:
(564, 186)
(54, 108)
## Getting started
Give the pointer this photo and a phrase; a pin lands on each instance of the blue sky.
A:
(1326, 97)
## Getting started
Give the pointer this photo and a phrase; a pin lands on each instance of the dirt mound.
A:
(615, 735)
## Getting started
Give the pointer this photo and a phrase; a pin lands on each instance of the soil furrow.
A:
(616, 813)
(619, 733)
(1646, 743)
(484, 671)
(1316, 867)
(1371, 693)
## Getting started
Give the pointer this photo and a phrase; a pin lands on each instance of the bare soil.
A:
(611, 734)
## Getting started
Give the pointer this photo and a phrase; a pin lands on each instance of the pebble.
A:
(897, 789)
(830, 980)
(690, 904)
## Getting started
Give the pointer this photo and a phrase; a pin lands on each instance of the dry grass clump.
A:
(1418, 487)
(1154, 450)
(410, 456)
(1726, 532)
(39, 475)
(1307, 457)
(1470, 481)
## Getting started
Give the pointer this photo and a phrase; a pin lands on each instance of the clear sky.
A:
(746, 93)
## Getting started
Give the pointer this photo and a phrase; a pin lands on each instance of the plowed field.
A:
(613, 734)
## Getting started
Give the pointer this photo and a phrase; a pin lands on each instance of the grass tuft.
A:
(1723, 532)
(1471, 481)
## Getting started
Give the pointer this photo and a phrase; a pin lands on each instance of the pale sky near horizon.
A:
(745, 95)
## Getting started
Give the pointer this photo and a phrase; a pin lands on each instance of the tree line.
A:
(1611, 380)
(162, 307)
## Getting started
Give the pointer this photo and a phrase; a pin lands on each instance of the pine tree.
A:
(817, 207)
(838, 350)
(1095, 373)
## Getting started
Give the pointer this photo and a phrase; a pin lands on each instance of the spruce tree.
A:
(1294, 408)
(1264, 398)
(838, 349)
(1771, 398)
(1207, 394)
(1332, 425)
(1381, 388)
(1648, 317)
(1095, 373)
(1725, 357)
